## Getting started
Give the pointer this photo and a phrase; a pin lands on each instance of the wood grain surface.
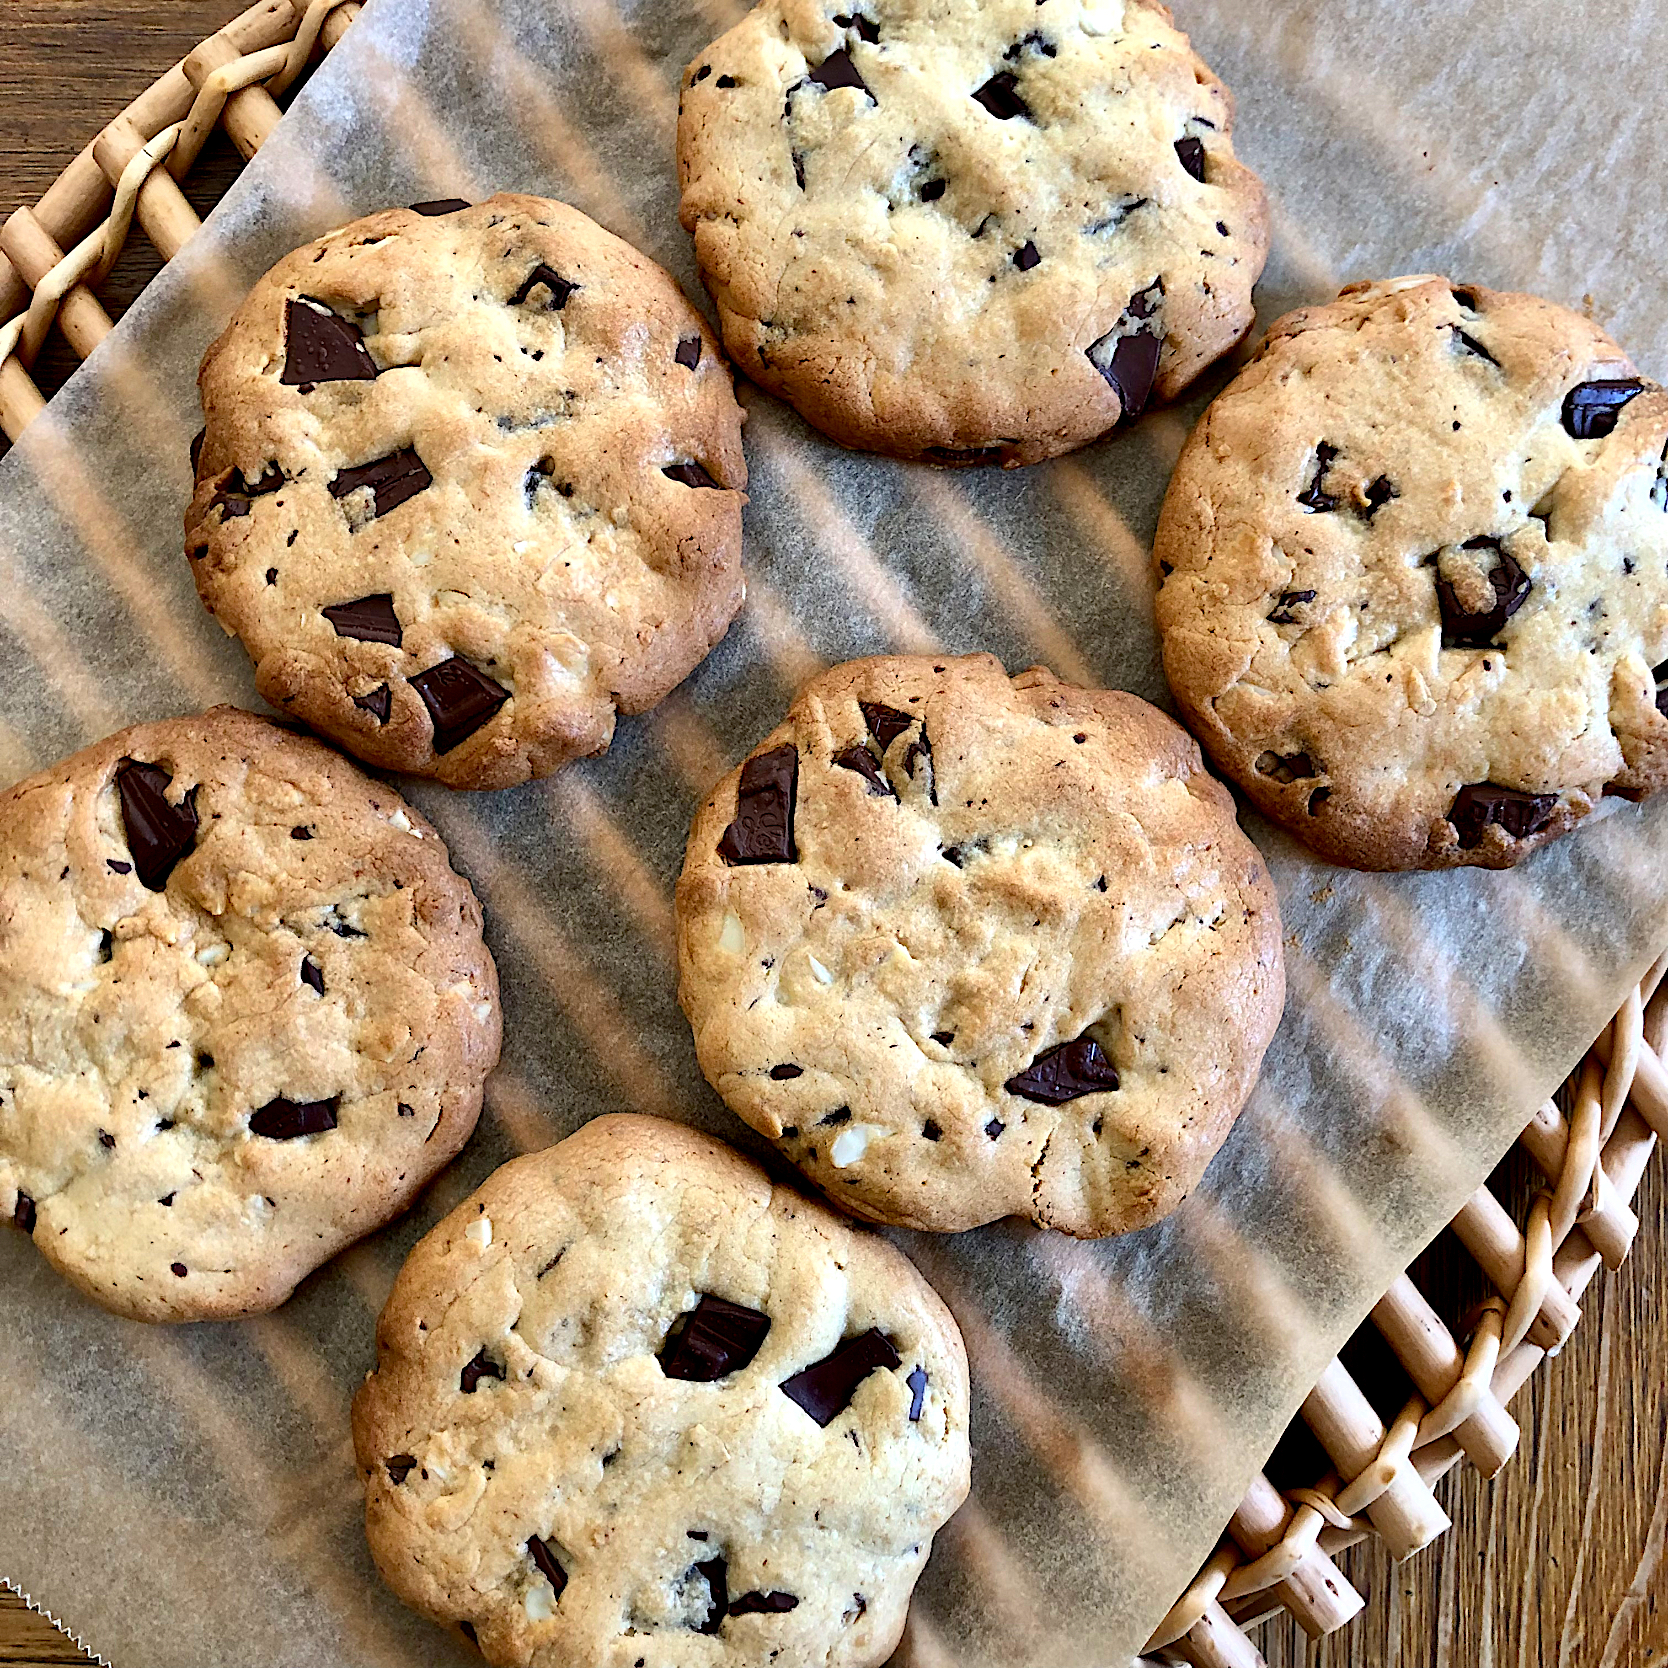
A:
(1557, 1564)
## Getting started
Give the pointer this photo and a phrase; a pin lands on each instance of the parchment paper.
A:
(187, 1495)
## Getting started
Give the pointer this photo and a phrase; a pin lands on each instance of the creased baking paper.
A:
(187, 1495)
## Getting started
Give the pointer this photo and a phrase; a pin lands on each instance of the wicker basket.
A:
(1451, 1378)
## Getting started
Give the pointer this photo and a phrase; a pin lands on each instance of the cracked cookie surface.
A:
(967, 946)
(970, 231)
(470, 484)
(245, 1013)
(637, 1407)
(1414, 567)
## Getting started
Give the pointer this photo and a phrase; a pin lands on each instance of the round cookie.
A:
(1414, 574)
(978, 231)
(636, 1407)
(967, 947)
(245, 1013)
(471, 482)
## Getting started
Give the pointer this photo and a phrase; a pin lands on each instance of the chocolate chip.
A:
(717, 1576)
(107, 1140)
(994, 1128)
(1473, 346)
(1065, 1072)
(371, 619)
(1000, 96)
(482, 1366)
(235, 496)
(885, 724)
(1313, 498)
(933, 190)
(727, 81)
(1286, 768)
(167, 1199)
(764, 1604)
(1591, 410)
(285, 1120)
(558, 286)
(377, 703)
(966, 454)
(179, 1270)
(1379, 493)
(1026, 256)
(930, 1130)
(116, 866)
(301, 832)
(867, 29)
(920, 752)
(917, 1382)
(1131, 370)
(392, 480)
(159, 833)
(23, 1213)
(786, 1074)
(544, 1561)
(197, 449)
(840, 1115)
(825, 1388)
(1285, 603)
(436, 206)
(861, 760)
(460, 700)
(762, 831)
(321, 346)
(689, 352)
(837, 70)
(691, 475)
(953, 854)
(1511, 587)
(312, 974)
(1481, 803)
(399, 1467)
(1191, 153)
(713, 1340)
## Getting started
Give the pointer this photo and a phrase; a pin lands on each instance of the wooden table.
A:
(1556, 1565)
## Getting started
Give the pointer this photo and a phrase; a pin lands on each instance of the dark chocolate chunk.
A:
(371, 619)
(392, 480)
(377, 703)
(920, 751)
(482, 1366)
(544, 1561)
(717, 1574)
(159, 833)
(321, 346)
(179, 1270)
(1511, 587)
(867, 29)
(689, 352)
(917, 1382)
(933, 190)
(764, 1604)
(1473, 346)
(931, 1130)
(1026, 256)
(399, 1467)
(944, 1038)
(436, 206)
(840, 1115)
(1480, 803)
(312, 974)
(285, 1120)
(727, 81)
(691, 475)
(885, 724)
(1065, 1072)
(825, 1388)
(864, 763)
(716, 1338)
(798, 168)
(953, 854)
(1191, 153)
(1313, 498)
(167, 1199)
(786, 1074)
(234, 498)
(1285, 603)
(1131, 370)
(837, 70)
(966, 454)
(762, 831)
(1379, 493)
(994, 1128)
(1591, 410)
(460, 700)
(1000, 96)
(558, 286)
(107, 1140)
(197, 449)
(1286, 768)
(23, 1213)
(116, 866)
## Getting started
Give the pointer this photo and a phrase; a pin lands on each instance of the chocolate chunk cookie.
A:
(979, 232)
(635, 1407)
(245, 1013)
(967, 947)
(1414, 570)
(471, 482)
